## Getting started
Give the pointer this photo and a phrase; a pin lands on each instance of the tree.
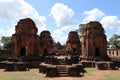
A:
(81, 29)
(7, 42)
(108, 44)
(114, 41)
(0, 47)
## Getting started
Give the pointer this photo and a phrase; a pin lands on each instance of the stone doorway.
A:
(45, 50)
(97, 52)
(74, 50)
(23, 51)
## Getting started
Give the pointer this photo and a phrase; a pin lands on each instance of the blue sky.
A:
(60, 16)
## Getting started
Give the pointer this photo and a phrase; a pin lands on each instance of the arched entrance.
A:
(23, 51)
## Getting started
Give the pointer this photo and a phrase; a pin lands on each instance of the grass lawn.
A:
(33, 74)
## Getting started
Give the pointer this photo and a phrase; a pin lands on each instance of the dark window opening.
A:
(45, 50)
(74, 49)
(116, 53)
(22, 51)
(97, 52)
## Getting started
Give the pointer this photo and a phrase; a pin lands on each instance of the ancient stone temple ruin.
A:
(26, 42)
(94, 43)
(46, 42)
(65, 63)
(25, 39)
(73, 43)
(39, 51)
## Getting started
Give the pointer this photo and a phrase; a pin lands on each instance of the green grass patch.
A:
(9, 77)
(89, 71)
(112, 77)
(28, 73)
(18, 75)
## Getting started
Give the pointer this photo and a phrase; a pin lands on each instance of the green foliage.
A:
(108, 44)
(24, 75)
(7, 42)
(8, 78)
(90, 71)
(0, 47)
(5, 39)
(114, 41)
(81, 29)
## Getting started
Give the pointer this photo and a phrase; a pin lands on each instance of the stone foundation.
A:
(103, 65)
(17, 66)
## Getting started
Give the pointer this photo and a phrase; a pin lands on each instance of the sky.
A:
(60, 16)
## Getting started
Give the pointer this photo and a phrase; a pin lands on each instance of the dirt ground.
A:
(33, 74)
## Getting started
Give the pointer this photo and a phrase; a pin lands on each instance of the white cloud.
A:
(111, 22)
(93, 15)
(59, 36)
(18, 9)
(62, 15)
(10, 31)
(107, 21)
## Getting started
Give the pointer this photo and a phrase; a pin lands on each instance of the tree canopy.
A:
(114, 42)
(80, 30)
(7, 42)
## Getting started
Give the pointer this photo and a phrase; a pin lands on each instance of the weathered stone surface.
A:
(94, 43)
(114, 54)
(106, 65)
(88, 63)
(26, 42)
(73, 43)
(51, 71)
(25, 39)
(16, 66)
(46, 42)
(59, 46)
(42, 68)
(4, 54)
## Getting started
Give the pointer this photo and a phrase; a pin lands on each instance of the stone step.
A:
(63, 75)
(62, 70)
(62, 62)
(61, 67)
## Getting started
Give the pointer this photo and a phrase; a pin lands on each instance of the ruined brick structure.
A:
(73, 43)
(66, 61)
(26, 42)
(94, 43)
(25, 39)
(4, 54)
(114, 54)
(46, 42)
